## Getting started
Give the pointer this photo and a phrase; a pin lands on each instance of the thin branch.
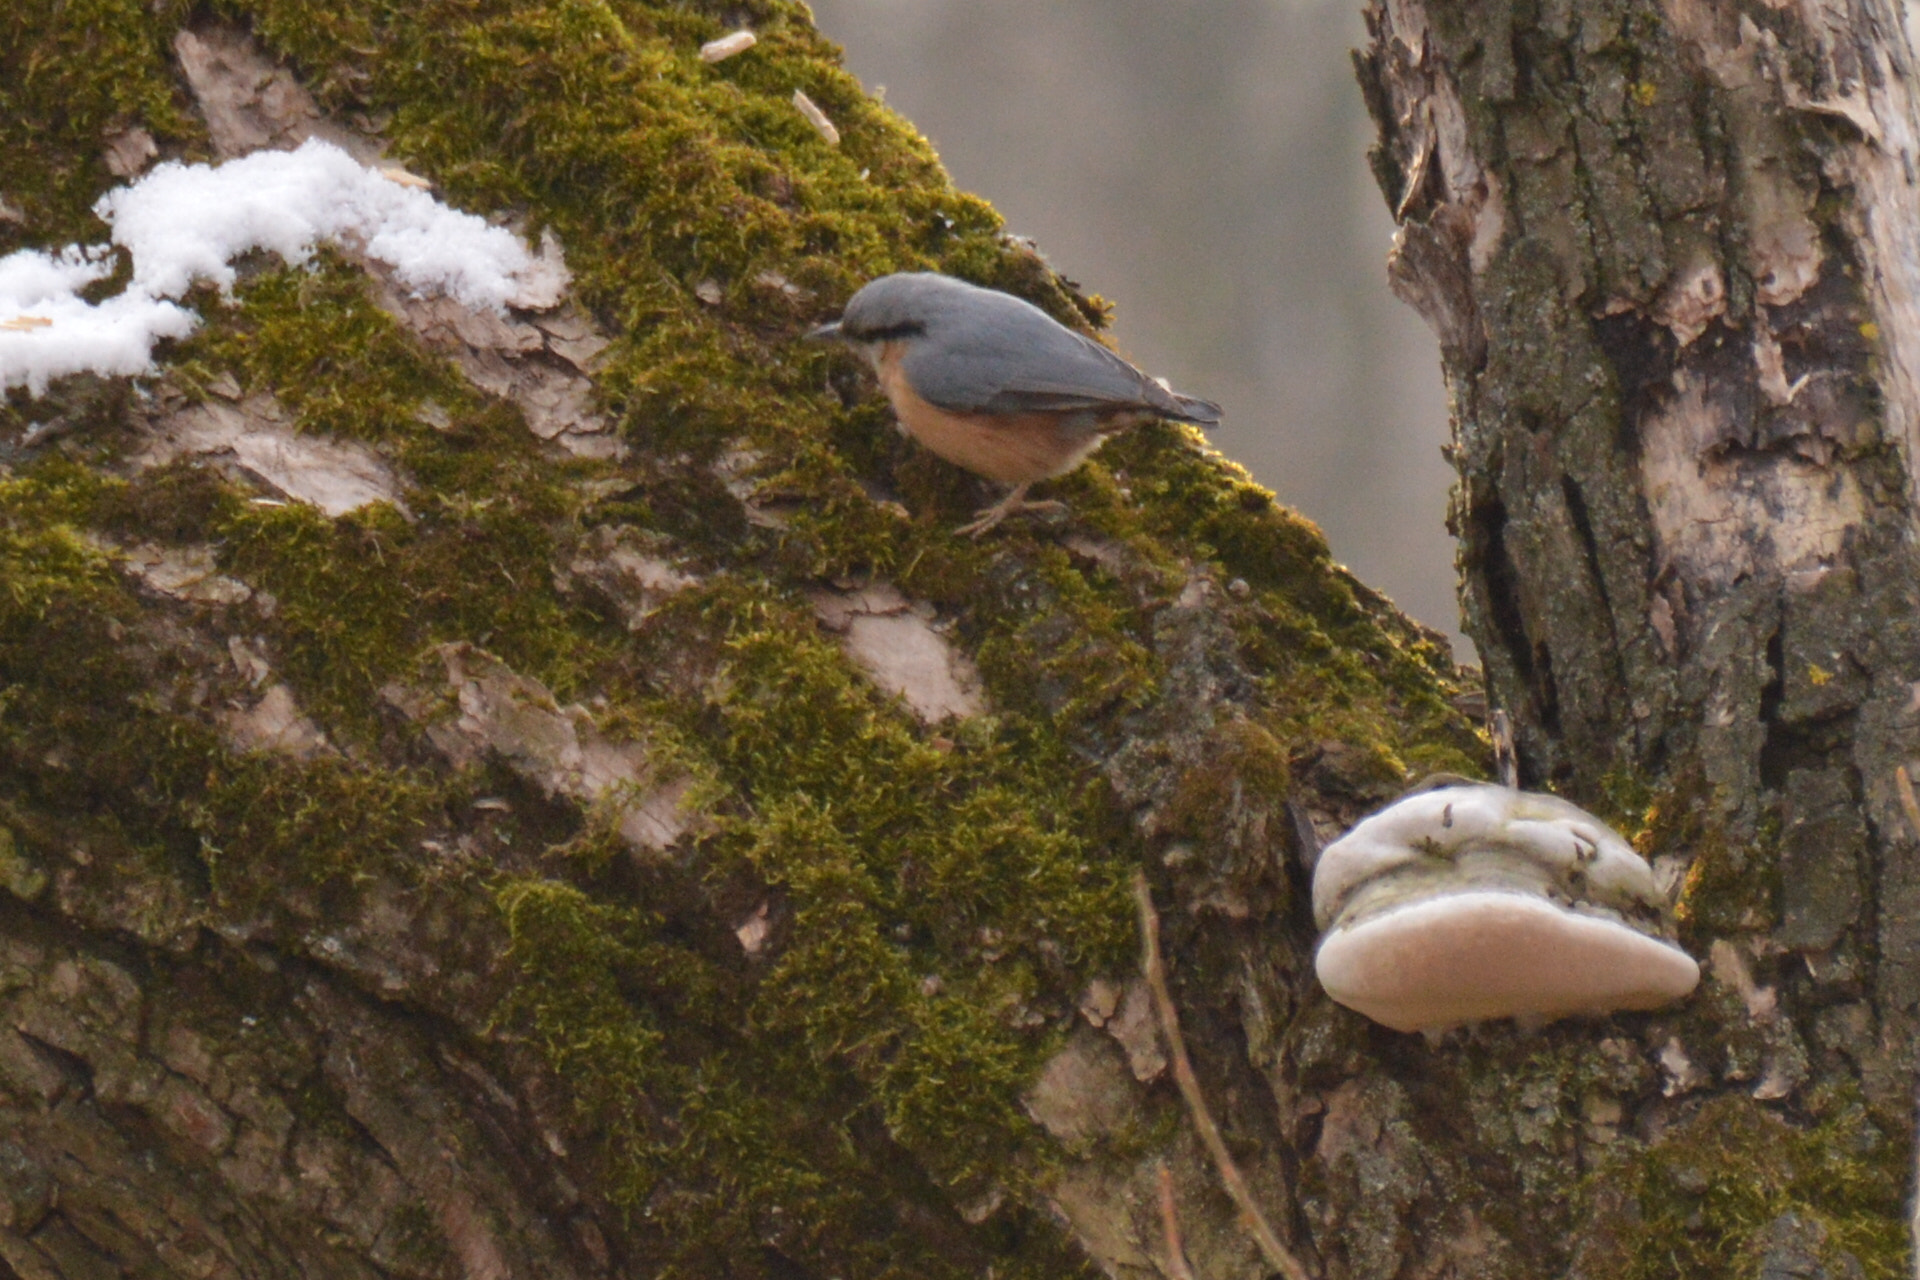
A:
(1177, 1268)
(1506, 760)
(1904, 785)
(1277, 1255)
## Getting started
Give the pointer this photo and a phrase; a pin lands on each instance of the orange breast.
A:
(1011, 448)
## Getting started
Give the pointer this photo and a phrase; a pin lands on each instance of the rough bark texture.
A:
(548, 795)
(1669, 249)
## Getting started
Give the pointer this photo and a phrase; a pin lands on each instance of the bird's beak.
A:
(831, 329)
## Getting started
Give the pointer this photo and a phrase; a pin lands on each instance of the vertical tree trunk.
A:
(1672, 251)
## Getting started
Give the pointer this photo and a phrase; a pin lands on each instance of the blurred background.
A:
(1202, 163)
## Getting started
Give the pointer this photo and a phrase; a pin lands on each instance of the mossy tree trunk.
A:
(548, 795)
(1672, 251)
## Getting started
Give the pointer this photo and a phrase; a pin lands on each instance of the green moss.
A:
(314, 338)
(1341, 663)
(1731, 885)
(556, 929)
(463, 569)
(331, 823)
(1242, 756)
(1073, 652)
(1630, 803)
(1527, 1100)
(985, 834)
(944, 908)
(103, 749)
(64, 681)
(942, 894)
(72, 74)
(711, 1127)
(18, 874)
(1705, 1199)
(46, 561)
(182, 502)
(413, 1239)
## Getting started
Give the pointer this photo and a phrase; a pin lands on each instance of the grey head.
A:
(974, 350)
(903, 305)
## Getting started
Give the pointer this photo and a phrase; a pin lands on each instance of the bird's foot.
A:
(1014, 504)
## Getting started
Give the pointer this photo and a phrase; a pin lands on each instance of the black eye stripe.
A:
(886, 333)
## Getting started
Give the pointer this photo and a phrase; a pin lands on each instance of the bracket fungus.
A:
(1468, 902)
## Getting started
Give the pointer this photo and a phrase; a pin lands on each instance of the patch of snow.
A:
(188, 222)
(48, 331)
(185, 223)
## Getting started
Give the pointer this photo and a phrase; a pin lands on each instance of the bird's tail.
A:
(1169, 403)
(1203, 413)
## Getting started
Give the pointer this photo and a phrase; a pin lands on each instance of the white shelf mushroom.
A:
(1472, 902)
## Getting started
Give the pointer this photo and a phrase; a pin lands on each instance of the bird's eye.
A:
(887, 333)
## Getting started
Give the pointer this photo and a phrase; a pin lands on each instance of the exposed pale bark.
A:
(1670, 250)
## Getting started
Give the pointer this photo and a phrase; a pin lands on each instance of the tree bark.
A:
(1669, 251)
(547, 795)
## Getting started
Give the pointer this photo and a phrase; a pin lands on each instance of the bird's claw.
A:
(1013, 504)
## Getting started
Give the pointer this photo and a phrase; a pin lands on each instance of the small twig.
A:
(1417, 170)
(1904, 785)
(1177, 1268)
(1506, 760)
(1277, 1255)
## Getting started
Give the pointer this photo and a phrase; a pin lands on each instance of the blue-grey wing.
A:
(1010, 357)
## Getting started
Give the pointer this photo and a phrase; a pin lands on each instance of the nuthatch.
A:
(996, 385)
